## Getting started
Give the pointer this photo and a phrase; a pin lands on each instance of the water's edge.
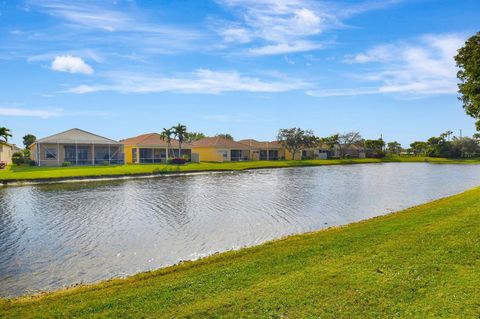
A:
(150, 273)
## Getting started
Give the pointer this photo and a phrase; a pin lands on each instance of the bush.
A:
(32, 163)
(178, 161)
(66, 164)
(17, 158)
(106, 163)
(3, 165)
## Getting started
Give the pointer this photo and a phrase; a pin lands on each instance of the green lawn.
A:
(35, 173)
(419, 263)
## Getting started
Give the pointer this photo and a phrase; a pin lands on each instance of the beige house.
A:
(264, 151)
(77, 147)
(6, 152)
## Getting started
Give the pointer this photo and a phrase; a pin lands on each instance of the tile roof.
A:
(263, 145)
(152, 139)
(76, 135)
(219, 142)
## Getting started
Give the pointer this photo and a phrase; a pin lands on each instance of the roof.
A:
(219, 142)
(76, 135)
(263, 145)
(152, 139)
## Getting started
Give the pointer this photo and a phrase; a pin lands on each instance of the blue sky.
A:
(244, 67)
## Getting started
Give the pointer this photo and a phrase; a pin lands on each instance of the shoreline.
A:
(291, 244)
(171, 171)
(191, 262)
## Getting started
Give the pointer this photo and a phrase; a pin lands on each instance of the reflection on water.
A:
(57, 235)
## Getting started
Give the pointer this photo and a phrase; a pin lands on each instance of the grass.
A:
(420, 263)
(25, 173)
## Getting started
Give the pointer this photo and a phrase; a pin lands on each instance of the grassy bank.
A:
(422, 262)
(38, 173)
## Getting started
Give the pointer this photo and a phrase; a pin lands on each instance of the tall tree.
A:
(296, 139)
(419, 147)
(5, 133)
(180, 132)
(394, 148)
(225, 136)
(467, 59)
(331, 141)
(28, 140)
(375, 147)
(166, 136)
(347, 140)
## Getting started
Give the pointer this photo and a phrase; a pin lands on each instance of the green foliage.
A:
(17, 158)
(375, 148)
(394, 148)
(467, 59)
(419, 147)
(331, 141)
(296, 139)
(28, 140)
(194, 136)
(66, 164)
(5, 133)
(419, 263)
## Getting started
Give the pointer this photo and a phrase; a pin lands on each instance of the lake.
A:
(57, 235)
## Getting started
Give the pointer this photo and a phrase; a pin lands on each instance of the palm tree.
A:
(180, 132)
(5, 133)
(166, 135)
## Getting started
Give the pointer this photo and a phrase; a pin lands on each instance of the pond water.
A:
(62, 234)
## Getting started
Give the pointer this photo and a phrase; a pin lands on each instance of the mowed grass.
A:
(420, 263)
(19, 173)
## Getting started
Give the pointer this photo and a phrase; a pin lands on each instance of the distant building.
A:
(150, 148)
(77, 147)
(6, 152)
(218, 149)
(264, 151)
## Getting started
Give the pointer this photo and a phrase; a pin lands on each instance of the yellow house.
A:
(6, 152)
(150, 148)
(217, 149)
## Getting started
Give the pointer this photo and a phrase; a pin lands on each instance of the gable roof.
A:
(5, 143)
(263, 145)
(219, 142)
(76, 135)
(152, 140)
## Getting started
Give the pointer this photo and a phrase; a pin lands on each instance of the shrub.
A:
(32, 163)
(178, 161)
(105, 163)
(65, 164)
(17, 158)
(3, 165)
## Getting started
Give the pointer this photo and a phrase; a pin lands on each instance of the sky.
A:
(243, 67)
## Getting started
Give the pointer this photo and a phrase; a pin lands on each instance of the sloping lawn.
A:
(419, 263)
(38, 173)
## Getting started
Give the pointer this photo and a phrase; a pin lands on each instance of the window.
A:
(224, 153)
(134, 155)
(51, 153)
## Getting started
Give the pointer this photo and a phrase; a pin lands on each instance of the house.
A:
(351, 151)
(150, 148)
(264, 151)
(218, 149)
(77, 147)
(320, 151)
(6, 152)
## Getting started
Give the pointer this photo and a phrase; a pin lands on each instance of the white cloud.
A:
(286, 26)
(202, 81)
(425, 66)
(42, 113)
(71, 64)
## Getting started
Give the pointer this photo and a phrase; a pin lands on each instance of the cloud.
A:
(71, 64)
(424, 66)
(201, 81)
(288, 26)
(42, 113)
